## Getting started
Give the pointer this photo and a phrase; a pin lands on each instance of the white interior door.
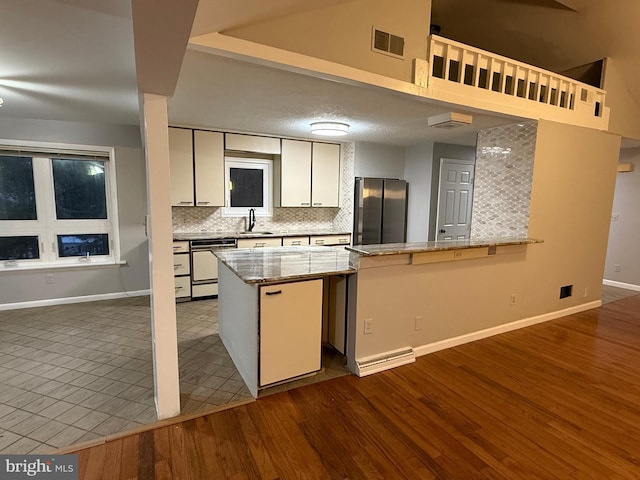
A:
(455, 199)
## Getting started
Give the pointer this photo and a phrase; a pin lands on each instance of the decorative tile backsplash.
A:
(502, 187)
(210, 219)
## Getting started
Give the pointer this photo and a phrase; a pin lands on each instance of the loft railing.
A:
(463, 68)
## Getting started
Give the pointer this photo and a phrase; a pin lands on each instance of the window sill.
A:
(64, 266)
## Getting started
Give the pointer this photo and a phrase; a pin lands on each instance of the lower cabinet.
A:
(331, 239)
(260, 242)
(183, 287)
(182, 270)
(295, 241)
(290, 330)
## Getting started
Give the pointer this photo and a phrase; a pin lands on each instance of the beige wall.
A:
(342, 33)
(573, 184)
(625, 109)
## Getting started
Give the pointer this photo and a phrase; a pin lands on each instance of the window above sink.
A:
(248, 184)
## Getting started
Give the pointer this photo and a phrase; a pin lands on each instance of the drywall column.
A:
(159, 230)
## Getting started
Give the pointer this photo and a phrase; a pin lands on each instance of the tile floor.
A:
(612, 294)
(74, 373)
(79, 372)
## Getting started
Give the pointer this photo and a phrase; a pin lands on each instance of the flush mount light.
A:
(329, 129)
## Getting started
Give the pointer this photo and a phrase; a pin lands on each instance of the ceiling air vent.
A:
(384, 42)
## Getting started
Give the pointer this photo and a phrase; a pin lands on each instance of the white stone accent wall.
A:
(502, 187)
(210, 219)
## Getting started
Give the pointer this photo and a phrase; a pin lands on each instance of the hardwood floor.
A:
(560, 400)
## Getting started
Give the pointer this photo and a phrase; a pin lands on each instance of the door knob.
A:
(442, 230)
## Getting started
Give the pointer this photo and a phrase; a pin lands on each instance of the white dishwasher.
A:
(290, 330)
(204, 265)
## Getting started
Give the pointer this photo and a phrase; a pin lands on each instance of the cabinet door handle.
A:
(304, 203)
(259, 244)
(317, 203)
(185, 203)
(275, 292)
(179, 288)
(204, 203)
(177, 265)
(319, 242)
(296, 242)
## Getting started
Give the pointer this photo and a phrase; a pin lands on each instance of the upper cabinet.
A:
(295, 174)
(197, 167)
(209, 168)
(309, 174)
(306, 174)
(181, 165)
(325, 175)
(252, 143)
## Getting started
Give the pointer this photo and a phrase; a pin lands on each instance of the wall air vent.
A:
(387, 43)
(450, 120)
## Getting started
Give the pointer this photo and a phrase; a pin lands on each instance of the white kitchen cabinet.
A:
(330, 240)
(183, 287)
(325, 175)
(182, 270)
(259, 242)
(209, 168)
(181, 247)
(181, 166)
(295, 241)
(290, 330)
(181, 264)
(295, 174)
(252, 143)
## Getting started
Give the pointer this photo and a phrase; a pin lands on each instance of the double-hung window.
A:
(56, 209)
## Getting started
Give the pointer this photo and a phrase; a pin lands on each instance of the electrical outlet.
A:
(617, 267)
(49, 278)
(513, 299)
(418, 322)
(368, 326)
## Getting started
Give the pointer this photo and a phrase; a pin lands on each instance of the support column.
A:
(160, 234)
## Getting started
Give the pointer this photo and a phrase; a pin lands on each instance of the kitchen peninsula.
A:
(400, 296)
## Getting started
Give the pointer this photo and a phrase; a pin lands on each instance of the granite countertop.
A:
(268, 265)
(257, 234)
(403, 248)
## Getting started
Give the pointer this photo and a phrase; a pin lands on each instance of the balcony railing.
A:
(458, 70)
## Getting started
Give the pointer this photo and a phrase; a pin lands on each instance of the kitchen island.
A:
(400, 300)
(271, 308)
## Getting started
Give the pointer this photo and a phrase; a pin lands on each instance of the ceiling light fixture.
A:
(329, 129)
(1, 101)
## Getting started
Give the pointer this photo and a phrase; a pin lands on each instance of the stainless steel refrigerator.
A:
(380, 211)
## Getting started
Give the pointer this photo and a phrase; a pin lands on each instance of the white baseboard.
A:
(507, 327)
(628, 286)
(62, 301)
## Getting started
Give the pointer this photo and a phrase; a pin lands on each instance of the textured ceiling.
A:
(218, 92)
(68, 60)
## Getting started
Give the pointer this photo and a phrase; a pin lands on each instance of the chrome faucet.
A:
(252, 220)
